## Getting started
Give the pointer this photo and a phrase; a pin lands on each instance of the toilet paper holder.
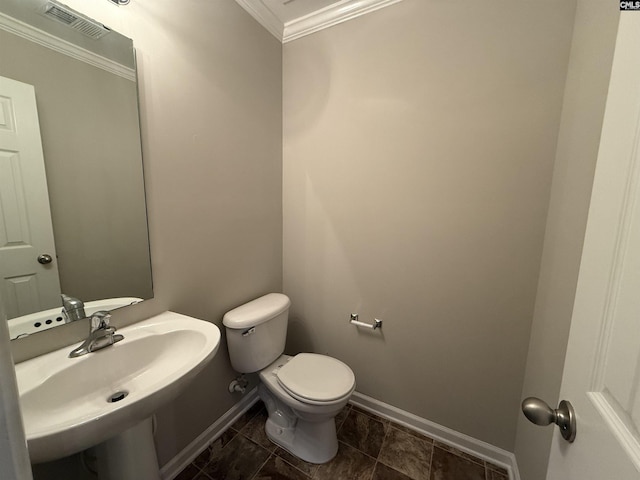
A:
(354, 321)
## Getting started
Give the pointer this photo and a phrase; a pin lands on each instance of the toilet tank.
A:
(256, 332)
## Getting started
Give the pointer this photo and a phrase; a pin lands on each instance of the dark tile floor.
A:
(370, 448)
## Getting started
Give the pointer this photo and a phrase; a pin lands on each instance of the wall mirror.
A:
(72, 203)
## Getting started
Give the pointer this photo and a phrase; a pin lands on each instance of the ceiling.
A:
(291, 19)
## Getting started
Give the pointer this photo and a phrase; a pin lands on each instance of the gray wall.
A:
(90, 138)
(419, 144)
(594, 36)
(211, 108)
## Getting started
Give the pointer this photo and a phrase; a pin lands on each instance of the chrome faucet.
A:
(100, 336)
(72, 308)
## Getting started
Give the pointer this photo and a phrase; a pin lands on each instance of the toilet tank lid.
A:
(256, 311)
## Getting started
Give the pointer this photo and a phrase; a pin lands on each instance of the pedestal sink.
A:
(106, 398)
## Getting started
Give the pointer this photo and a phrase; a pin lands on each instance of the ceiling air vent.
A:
(65, 15)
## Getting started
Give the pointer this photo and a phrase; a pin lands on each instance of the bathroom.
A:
(429, 164)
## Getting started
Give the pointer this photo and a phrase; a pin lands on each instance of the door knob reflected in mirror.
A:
(538, 412)
(45, 258)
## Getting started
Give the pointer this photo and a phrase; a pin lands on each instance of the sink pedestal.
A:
(131, 455)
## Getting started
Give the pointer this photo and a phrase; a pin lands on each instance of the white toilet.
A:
(303, 393)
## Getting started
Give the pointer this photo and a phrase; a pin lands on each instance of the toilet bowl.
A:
(302, 393)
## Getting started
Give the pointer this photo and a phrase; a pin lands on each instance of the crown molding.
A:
(263, 16)
(45, 39)
(308, 24)
(332, 15)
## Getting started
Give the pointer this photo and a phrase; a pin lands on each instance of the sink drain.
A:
(116, 397)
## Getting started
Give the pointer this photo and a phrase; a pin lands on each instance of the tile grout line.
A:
(298, 469)
(263, 464)
(200, 472)
(291, 464)
(210, 448)
(384, 440)
(430, 441)
(433, 449)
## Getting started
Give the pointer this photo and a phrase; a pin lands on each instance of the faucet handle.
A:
(100, 320)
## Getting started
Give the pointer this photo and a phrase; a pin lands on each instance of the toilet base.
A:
(313, 441)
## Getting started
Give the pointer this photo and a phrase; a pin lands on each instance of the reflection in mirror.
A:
(72, 205)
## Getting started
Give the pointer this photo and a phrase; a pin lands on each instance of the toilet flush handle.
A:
(249, 331)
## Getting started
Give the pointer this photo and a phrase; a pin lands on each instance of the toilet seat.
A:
(316, 379)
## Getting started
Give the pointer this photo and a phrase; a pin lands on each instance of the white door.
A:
(602, 369)
(26, 231)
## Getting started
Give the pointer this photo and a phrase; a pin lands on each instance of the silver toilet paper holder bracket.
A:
(354, 321)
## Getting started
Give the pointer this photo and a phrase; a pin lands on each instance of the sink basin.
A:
(70, 404)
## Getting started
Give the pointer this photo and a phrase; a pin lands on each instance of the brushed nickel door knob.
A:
(538, 412)
(45, 258)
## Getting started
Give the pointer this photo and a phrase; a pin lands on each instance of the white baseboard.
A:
(211, 434)
(458, 440)
(478, 448)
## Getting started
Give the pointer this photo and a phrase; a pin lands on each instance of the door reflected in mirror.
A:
(72, 202)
